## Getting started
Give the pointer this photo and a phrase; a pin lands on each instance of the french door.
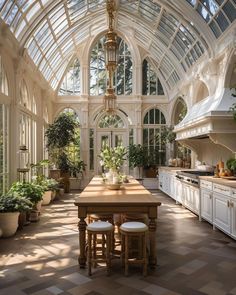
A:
(111, 139)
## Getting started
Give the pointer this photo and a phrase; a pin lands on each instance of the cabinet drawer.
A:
(206, 184)
(234, 193)
(222, 189)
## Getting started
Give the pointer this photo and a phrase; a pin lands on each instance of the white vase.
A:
(9, 223)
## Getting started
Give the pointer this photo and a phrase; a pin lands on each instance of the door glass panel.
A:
(118, 139)
(104, 141)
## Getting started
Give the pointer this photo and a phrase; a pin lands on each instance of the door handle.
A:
(228, 203)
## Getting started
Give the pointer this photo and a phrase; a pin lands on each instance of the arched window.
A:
(111, 122)
(71, 81)
(151, 83)
(153, 137)
(4, 148)
(24, 96)
(3, 79)
(180, 110)
(123, 74)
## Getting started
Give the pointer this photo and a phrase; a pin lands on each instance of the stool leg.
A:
(108, 252)
(122, 250)
(144, 256)
(89, 254)
(126, 255)
(94, 250)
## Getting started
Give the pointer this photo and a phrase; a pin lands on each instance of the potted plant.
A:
(10, 208)
(32, 192)
(136, 156)
(112, 159)
(65, 124)
(231, 165)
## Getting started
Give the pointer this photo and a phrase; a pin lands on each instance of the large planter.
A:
(9, 223)
(66, 181)
(37, 206)
(47, 196)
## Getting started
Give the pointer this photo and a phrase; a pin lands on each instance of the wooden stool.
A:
(105, 229)
(138, 230)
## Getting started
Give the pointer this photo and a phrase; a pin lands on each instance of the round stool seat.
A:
(100, 226)
(133, 226)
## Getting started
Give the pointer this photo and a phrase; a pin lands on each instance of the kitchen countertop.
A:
(172, 169)
(230, 183)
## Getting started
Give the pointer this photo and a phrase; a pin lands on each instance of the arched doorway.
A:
(111, 130)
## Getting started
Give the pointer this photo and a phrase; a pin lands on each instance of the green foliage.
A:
(61, 132)
(167, 135)
(29, 190)
(233, 107)
(136, 155)
(63, 162)
(14, 203)
(231, 164)
(77, 168)
(113, 158)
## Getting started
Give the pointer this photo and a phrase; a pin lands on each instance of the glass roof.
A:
(51, 30)
(218, 14)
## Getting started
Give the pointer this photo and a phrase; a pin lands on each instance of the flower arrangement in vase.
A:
(112, 160)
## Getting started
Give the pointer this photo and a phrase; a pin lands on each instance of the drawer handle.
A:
(228, 203)
(232, 204)
(222, 189)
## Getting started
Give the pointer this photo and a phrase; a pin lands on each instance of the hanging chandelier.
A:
(111, 53)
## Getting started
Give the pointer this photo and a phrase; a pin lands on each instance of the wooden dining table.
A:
(132, 197)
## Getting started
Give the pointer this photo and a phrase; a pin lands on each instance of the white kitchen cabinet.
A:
(233, 218)
(178, 191)
(206, 205)
(191, 198)
(222, 212)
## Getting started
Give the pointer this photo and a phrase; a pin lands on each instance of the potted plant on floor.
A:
(32, 192)
(136, 157)
(60, 135)
(10, 208)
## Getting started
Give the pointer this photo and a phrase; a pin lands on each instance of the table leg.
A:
(82, 242)
(152, 237)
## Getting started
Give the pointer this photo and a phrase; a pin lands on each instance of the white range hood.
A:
(211, 120)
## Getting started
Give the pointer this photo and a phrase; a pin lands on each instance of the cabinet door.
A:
(161, 178)
(178, 191)
(221, 212)
(206, 205)
(196, 200)
(187, 196)
(172, 187)
(233, 217)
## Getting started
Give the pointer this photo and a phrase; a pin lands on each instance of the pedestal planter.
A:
(47, 196)
(53, 195)
(37, 207)
(34, 216)
(9, 223)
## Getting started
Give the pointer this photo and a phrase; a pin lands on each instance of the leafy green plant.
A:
(113, 158)
(231, 165)
(77, 168)
(61, 132)
(136, 156)
(29, 190)
(14, 203)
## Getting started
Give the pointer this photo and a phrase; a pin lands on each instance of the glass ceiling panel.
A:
(50, 29)
(218, 14)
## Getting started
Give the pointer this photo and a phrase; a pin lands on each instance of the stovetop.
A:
(195, 173)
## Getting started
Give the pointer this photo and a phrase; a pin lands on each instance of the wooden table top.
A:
(130, 193)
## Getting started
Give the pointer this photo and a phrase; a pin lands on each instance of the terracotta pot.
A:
(53, 195)
(9, 223)
(38, 206)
